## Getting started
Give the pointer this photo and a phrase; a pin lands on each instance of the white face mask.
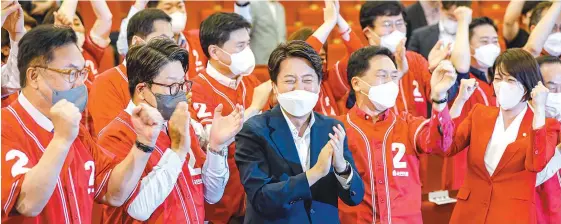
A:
(178, 21)
(508, 95)
(553, 106)
(383, 96)
(553, 44)
(391, 40)
(486, 55)
(450, 26)
(80, 39)
(298, 102)
(242, 63)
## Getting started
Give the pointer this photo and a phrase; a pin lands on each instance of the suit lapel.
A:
(282, 138)
(483, 135)
(512, 148)
(318, 138)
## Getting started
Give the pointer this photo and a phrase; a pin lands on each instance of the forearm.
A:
(322, 33)
(461, 56)
(250, 112)
(156, 186)
(552, 167)
(215, 176)
(542, 30)
(10, 71)
(68, 9)
(510, 21)
(39, 182)
(125, 176)
(102, 25)
(344, 28)
(457, 107)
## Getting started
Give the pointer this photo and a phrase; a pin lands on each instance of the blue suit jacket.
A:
(270, 170)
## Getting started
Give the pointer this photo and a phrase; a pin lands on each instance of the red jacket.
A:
(508, 195)
(386, 154)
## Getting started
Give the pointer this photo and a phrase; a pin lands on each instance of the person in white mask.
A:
(384, 25)
(227, 80)
(294, 163)
(177, 11)
(388, 143)
(548, 181)
(545, 30)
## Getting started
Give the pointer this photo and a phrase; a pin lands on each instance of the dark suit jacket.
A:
(415, 18)
(423, 39)
(270, 170)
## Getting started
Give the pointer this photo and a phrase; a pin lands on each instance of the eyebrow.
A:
(553, 83)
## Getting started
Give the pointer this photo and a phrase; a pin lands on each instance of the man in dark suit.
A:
(423, 39)
(294, 163)
(421, 14)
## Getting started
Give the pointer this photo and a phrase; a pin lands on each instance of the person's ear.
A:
(213, 52)
(355, 82)
(139, 89)
(32, 76)
(137, 40)
(6, 50)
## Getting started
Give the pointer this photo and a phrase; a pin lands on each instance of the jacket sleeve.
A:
(443, 137)
(544, 141)
(354, 194)
(353, 44)
(268, 195)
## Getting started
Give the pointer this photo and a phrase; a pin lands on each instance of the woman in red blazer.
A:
(508, 146)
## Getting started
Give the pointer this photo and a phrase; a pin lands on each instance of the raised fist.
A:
(467, 87)
(147, 122)
(443, 77)
(463, 14)
(66, 120)
(539, 96)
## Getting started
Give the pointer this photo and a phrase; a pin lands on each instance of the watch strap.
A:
(143, 147)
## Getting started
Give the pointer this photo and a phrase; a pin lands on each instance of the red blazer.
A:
(508, 195)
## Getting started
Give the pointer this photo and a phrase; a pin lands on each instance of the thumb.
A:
(12, 8)
(136, 110)
(438, 45)
(218, 111)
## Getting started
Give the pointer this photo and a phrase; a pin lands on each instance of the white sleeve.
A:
(550, 169)
(245, 12)
(202, 132)
(122, 43)
(346, 183)
(215, 176)
(156, 186)
(10, 71)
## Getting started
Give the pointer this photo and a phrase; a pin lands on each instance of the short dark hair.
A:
(480, 21)
(529, 6)
(521, 65)
(36, 46)
(370, 10)
(152, 4)
(548, 59)
(538, 12)
(294, 48)
(303, 34)
(448, 4)
(50, 16)
(359, 62)
(142, 23)
(144, 61)
(216, 29)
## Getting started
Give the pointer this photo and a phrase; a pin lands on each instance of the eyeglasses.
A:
(71, 75)
(176, 87)
(397, 24)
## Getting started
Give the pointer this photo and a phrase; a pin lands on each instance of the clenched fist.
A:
(147, 122)
(463, 14)
(66, 120)
(438, 53)
(467, 87)
(443, 77)
(179, 129)
(539, 96)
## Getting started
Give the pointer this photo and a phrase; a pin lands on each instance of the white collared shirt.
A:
(303, 147)
(37, 116)
(10, 71)
(222, 79)
(551, 169)
(500, 139)
(158, 184)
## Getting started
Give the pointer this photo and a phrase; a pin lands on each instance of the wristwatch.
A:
(222, 152)
(441, 101)
(143, 147)
(243, 5)
(347, 170)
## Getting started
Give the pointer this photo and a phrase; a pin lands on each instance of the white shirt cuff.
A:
(216, 162)
(245, 12)
(550, 169)
(346, 183)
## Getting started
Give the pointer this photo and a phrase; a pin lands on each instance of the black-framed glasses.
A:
(70, 75)
(175, 88)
